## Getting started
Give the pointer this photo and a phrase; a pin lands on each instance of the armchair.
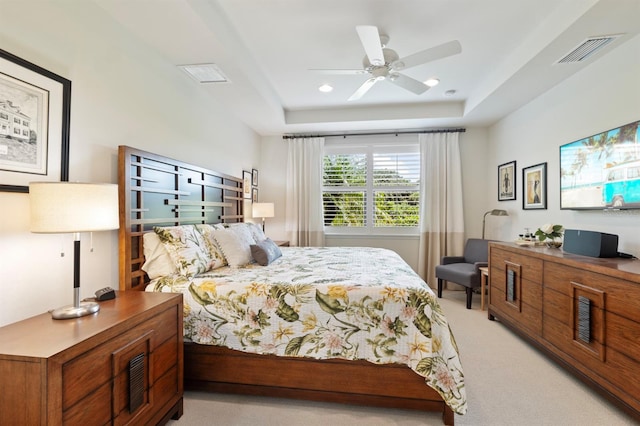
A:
(465, 269)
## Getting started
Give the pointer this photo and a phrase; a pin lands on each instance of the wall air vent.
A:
(587, 48)
(205, 73)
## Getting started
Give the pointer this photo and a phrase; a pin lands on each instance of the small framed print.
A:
(254, 177)
(507, 181)
(254, 195)
(246, 184)
(534, 187)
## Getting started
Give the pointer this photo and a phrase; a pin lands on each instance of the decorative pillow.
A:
(157, 262)
(187, 248)
(265, 252)
(235, 244)
(217, 257)
(257, 232)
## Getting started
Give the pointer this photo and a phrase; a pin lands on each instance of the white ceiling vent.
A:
(205, 73)
(587, 48)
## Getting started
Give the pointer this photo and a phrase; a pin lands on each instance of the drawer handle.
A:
(136, 382)
(511, 285)
(584, 319)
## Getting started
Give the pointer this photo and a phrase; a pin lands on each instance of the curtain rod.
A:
(344, 135)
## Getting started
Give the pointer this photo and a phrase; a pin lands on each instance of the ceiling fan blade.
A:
(370, 39)
(362, 89)
(442, 51)
(339, 72)
(408, 83)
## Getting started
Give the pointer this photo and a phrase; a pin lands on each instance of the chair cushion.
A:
(464, 274)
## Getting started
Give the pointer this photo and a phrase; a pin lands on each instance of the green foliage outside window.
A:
(346, 205)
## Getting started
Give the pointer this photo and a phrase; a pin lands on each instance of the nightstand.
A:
(282, 243)
(122, 365)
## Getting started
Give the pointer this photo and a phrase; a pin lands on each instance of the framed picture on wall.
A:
(254, 195)
(254, 177)
(35, 107)
(246, 184)
(534, 187)
(507, 181)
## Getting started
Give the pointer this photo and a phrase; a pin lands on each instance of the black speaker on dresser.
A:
(590, 243)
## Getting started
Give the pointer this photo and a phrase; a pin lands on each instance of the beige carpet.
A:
(507, 381)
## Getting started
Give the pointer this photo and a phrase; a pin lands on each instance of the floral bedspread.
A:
(336, 302)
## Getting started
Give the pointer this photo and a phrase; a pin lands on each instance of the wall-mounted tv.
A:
(602, 171)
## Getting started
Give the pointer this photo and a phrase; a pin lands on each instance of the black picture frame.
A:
(254, 177)
(534, 187)
(254, 195)
(247, 177)
(507, 181)
(37, 104)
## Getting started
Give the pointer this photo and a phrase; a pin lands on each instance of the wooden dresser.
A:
(583, 312)
(123, 365)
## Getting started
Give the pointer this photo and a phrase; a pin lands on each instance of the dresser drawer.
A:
(531, 268)
(621, 297)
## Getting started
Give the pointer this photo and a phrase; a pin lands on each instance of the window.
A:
(372, 187)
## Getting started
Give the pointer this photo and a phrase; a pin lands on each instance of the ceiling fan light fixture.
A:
(432, 82)
(325, 88)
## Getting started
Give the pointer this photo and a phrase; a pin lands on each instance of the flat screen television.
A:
(602, 171)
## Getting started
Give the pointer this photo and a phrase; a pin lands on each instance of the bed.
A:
(328, 324)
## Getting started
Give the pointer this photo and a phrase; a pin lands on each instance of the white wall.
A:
(122, 94)
(603, 96)
(473, 153)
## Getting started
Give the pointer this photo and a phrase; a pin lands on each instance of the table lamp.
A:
(262, 210)
(69, 207)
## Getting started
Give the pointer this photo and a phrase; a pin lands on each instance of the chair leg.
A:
(469, 296)
(439, 288)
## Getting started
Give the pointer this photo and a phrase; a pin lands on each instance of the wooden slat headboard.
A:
(160, 191)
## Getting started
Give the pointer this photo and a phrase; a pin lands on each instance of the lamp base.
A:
(71, 311)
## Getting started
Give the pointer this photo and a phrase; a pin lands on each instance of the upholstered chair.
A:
(465, 269)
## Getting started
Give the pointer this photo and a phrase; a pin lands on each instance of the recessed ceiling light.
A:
(450, 93)
(325, 88)
(205, 73)
(432, 82)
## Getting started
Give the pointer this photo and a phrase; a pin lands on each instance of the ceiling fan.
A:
(383, 63)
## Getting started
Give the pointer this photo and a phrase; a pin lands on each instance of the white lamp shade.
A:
(262, 210)
(59, 207)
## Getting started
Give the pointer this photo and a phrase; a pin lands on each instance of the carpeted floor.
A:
(507, 381)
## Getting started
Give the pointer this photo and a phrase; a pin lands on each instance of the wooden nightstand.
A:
(122, 365)
(282, 243)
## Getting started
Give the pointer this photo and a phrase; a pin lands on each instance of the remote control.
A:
(105, 294)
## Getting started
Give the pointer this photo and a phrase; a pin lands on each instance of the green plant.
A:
(549, 231)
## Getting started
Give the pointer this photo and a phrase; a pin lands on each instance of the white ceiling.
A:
(267, 48)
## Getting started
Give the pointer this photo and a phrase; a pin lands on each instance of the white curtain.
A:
(304, 213)
(441, 210)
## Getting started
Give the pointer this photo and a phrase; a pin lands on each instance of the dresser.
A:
(583, 312)
(123, 365)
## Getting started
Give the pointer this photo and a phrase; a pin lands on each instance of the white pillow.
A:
(254, 229)
(235, 243)
(257, 232)
(157, 262)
